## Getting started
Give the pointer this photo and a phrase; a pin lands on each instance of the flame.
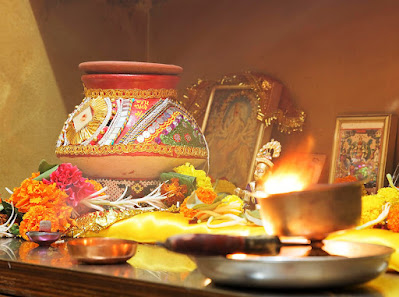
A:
(295, 172)
(284, 183)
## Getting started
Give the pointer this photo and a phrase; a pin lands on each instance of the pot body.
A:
(128, 125)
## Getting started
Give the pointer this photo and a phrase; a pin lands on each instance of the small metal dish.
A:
(351, 264)
(43, 238)
(101, 250)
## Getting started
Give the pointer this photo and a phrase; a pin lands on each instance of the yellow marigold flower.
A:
(389, 195)
(232, 201)
(371, 207)
(202, 179)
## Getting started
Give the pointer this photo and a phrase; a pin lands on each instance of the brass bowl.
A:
(312, 213)
(43, 238)
(101, 250)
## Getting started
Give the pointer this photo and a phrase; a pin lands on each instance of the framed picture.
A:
(236, 114)
(363, 148)
(233, 133)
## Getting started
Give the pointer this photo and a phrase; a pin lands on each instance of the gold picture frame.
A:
(264, 100)
(363, 147)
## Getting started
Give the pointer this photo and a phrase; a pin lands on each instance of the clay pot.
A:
(129, 125)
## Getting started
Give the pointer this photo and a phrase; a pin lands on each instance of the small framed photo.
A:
(363, 147)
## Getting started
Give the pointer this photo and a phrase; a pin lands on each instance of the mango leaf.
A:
(45, 166)
(47, 173)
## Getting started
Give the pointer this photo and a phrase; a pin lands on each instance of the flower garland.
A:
(380, 210)
(53, 199)
(202, 179)
(60, 194)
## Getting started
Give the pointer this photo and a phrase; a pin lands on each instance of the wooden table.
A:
(28, 270)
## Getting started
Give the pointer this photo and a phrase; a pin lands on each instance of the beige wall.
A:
(42, 44)
(335, 56)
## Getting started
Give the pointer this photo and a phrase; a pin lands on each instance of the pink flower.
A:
(65, 175)
(78, 192)
(69, 178)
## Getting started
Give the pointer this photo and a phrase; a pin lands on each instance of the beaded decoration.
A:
(137, 188)
(130, 93)
(145, 121)
(119, 122)
(135, 148)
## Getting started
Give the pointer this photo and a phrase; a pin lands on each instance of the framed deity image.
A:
(363, 147)
(236, 114)
(233, 133)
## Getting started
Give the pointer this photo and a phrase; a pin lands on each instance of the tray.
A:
(351, 264)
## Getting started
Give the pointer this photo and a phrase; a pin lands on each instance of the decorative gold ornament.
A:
(120, 149)
(288, 117)
(99, 220)
(270, 150)
(130, 93)
(99, 110)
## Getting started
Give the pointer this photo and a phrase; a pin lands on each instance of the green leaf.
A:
(14, 229)
(189, 181)
(7, 209)
(45, 166)
(46, 174)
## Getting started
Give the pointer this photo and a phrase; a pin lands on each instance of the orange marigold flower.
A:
(187, 212)
(33, 192)
(59, 218)
(346, 179)
(393, 218)
(206, 195)
(174, 192)
(349, 179)
(35, 174)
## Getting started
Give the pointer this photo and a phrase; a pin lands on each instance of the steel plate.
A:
(352, 263)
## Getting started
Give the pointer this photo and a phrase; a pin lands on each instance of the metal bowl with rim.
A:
(101, 250)
(313, 213)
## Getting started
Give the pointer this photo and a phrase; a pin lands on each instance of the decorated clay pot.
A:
(128, 125)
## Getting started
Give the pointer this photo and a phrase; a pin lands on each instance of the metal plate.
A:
(352, 263)
(101, 250)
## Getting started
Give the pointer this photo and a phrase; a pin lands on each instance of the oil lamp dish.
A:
(313, 213)
(43, 238)
(351, 264)
(101, 250)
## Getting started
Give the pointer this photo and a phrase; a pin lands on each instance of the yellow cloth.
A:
(376, 236)
(158, 226)
(386, 285)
